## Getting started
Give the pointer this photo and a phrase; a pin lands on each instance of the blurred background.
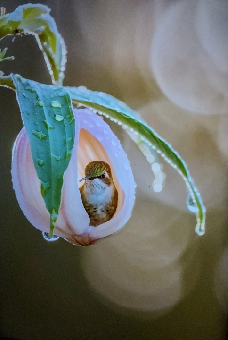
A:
(155, 279)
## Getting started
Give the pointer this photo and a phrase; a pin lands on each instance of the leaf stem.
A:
(3, 11)
(7, 82)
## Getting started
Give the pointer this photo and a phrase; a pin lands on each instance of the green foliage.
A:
(119, 112)
(47, 112)
(35, 19)
(2, 55)
(48, 118)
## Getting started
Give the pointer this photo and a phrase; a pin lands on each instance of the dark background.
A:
(155, 279)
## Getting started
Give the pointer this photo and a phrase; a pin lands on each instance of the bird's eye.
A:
(102, 176)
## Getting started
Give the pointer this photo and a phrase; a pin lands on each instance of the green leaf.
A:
(49, 122)
(36, 20)
(123, 115)
(2, 55)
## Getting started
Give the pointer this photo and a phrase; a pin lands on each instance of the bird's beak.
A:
(89, 177)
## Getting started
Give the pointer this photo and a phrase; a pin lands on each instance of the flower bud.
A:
(94, 140)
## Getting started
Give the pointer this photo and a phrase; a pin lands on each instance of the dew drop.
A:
(40, 104)
(44, 186)
(114, 142)
(48, 125)
(29, 89)
(59, 118)
(68, 153)
(82, 88)
(56, 104)
(190, 204)
(57, 158)
(39, 134)
(49, 239)
(40, 162)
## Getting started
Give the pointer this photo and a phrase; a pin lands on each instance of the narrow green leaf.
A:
(51, 140)
(36, 20)
(123, 115)
(3, 53)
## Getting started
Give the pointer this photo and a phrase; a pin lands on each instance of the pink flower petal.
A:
(94, 140)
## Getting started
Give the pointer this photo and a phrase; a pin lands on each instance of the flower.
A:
(94, 140)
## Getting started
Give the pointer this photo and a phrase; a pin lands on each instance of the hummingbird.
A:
(99, 194)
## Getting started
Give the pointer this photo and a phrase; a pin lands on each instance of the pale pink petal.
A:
(94, 140)
(98, 142)
(27, 186)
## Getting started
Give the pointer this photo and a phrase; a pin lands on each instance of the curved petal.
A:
(94, 140)
(98, 142)
(27, 187)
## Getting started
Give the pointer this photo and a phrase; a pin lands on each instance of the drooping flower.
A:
(94, 140)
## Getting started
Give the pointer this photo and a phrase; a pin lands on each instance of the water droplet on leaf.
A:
(40, 103)
(40, 162)
(39, 134)
(56, 157)
(48, 125)
(59, 118)
(56, 104)
(68, 153)
(29, 89)
(190, 204)
(44, 186)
